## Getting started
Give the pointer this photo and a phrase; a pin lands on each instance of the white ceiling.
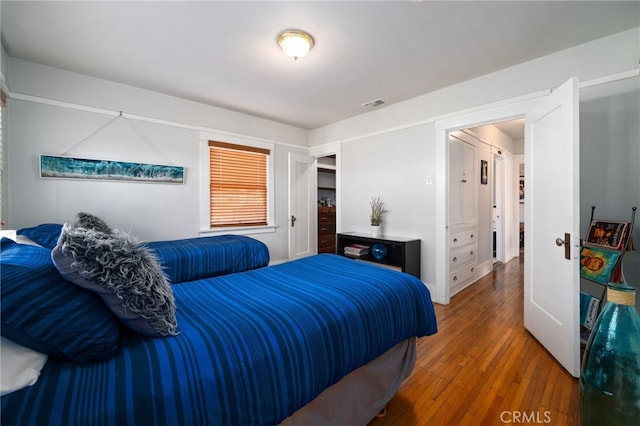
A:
(225, 53)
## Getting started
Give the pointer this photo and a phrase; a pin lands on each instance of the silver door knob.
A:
(559, 242)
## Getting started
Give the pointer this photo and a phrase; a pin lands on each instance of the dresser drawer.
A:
(327, 243)
(463, 237)
(325, 218)
(462, 275)
(326, 229)
(461, 255)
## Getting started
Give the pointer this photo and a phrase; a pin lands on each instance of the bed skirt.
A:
(359, 396)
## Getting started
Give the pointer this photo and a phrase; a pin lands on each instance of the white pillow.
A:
(23, 239)
(19, 366)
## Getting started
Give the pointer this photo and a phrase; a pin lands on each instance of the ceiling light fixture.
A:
(295, 43)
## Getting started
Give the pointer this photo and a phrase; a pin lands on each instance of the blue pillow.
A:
(46, 234)
(43, 311)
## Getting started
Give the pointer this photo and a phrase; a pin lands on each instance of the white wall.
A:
(401, 138)
(148, 211)
(3, 166)
(393, 166)
(610, 166)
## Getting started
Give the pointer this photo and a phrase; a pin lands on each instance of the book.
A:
(356, 250)
(597, 264)
(588, 310)
(609, 234)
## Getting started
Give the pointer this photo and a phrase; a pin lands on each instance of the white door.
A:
(498, 206)
(301, 201)
(551, 305)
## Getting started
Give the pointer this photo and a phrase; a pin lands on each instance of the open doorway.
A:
(483, 193)
(327, 205)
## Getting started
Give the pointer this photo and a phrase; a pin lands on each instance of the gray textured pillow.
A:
(89, 221)
(126, 275)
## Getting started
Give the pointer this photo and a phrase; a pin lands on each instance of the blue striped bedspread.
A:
(253, 348)
(195, 258)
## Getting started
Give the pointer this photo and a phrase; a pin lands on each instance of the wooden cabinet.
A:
(401, 253)
(326, 229)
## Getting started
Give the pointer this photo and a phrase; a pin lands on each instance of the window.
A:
(238, 185)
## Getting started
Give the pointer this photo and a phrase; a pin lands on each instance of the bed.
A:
(324, 339)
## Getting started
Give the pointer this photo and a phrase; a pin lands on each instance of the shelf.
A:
(402, 253)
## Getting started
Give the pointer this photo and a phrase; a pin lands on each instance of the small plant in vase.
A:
(377, 211)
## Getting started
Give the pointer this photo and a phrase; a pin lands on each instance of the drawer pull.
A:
(455, 240)
(455, 259)
(471, 236)
(473, 269)
(455, 278)
(471, 252)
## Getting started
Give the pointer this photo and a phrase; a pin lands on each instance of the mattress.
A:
(253, 348)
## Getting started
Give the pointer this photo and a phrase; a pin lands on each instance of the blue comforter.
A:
(254, 347)
(195, 258)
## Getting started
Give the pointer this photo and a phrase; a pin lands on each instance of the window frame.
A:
(205, 228)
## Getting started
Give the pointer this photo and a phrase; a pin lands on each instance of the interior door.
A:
(551, 305)
(498, 206)
(301, 201)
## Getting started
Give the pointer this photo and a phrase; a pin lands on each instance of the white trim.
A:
(500, 111)
(447, 116)
(325, 149)
(79, 107)
(609, 78)
(52, 102)
(238, 230)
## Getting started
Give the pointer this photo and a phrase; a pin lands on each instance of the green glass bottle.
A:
(610, 374)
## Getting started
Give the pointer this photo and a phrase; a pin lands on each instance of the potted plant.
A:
(377, 210)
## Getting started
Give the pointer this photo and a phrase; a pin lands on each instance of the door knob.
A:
(566, 243)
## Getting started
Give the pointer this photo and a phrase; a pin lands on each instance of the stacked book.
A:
(356, 250)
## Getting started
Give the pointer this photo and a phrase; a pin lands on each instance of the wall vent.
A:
(374, 103)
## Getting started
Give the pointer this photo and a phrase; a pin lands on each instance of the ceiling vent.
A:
(374, 103)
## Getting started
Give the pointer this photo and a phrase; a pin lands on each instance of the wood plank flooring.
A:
(483, 367)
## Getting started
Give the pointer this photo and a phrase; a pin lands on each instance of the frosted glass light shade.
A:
(295, 43)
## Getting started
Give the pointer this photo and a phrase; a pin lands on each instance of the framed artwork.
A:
(484, 172)
(521, 190)
(55, 166)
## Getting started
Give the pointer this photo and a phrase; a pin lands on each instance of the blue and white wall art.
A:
(55, 166)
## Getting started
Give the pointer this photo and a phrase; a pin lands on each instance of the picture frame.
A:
(62, 167)
(484, 172)
(521, 191)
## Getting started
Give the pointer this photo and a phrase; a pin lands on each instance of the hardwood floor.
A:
(483, 367)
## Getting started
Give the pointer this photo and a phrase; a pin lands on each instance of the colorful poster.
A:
(596, 264)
